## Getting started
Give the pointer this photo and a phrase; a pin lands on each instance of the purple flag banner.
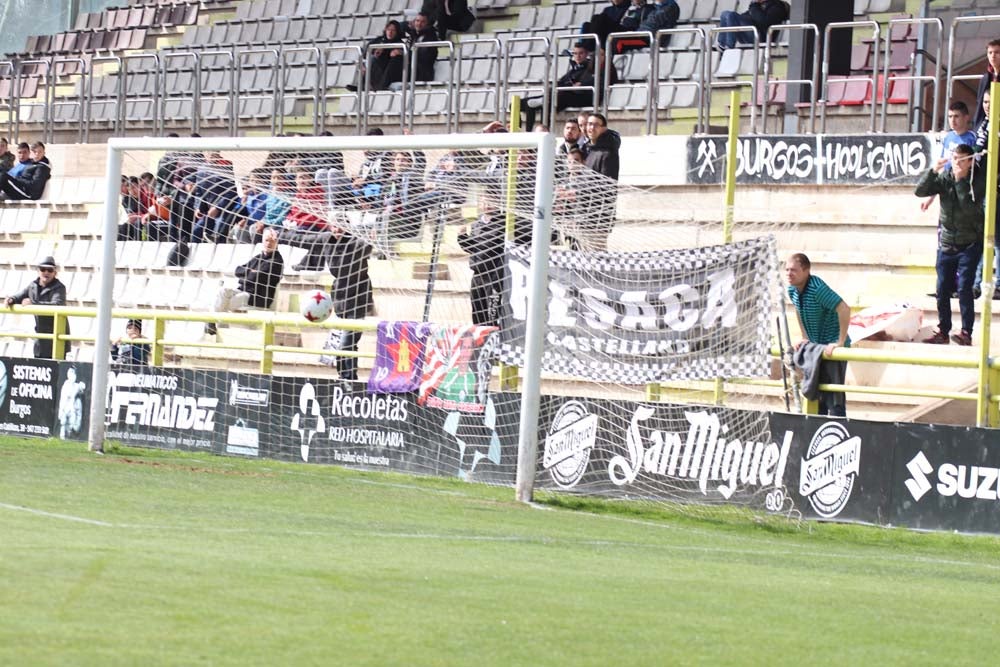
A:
(399, 354)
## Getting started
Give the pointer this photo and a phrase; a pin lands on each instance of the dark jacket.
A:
(765, 14)
(485, 244)
(961, 217)
(616, 13)
(426, 57)
(578, 73)
(6, 161)
(53, 294)
(130, 354)
(636, 15)
(352, 286)
(458, 17)
(260, 276)
(602, 155)
(30, 184)
(989, 76)
(664, 17)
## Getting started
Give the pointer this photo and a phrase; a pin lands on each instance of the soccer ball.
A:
(317, 306)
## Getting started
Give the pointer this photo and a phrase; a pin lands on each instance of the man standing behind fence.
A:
(823, 319)
(46, 290)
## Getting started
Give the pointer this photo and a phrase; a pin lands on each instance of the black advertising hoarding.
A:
(947, 478)
(166, 408)
(812, 160)
(28, 390)
(841, 468)
(72, 419)
(677, 453)
(247, 414)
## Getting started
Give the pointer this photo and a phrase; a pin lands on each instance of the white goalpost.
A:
(631, 339)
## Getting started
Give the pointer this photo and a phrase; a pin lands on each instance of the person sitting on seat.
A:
(257, 281)
(29, 183)
(124, 351)
(761, 15)
(23, 160)
(420, 31)
(7, 158)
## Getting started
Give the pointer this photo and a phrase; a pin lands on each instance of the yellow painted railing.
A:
(154, 321)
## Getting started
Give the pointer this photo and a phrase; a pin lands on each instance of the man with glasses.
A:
(46, 290)
(602, 156)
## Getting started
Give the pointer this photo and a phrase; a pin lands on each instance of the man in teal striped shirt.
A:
(823, 319)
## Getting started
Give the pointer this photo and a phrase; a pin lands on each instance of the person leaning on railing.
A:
(46, 290)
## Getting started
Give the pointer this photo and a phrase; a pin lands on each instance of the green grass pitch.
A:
(161, 558)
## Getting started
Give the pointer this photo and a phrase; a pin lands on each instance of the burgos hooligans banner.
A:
(640, 317)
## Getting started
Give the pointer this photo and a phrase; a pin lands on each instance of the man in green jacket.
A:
(960, 242)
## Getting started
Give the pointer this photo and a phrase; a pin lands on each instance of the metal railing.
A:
(956, 24)
(508, 88)
(324, 109)
(605, 84)
(155, 322)
(705, 79)
(871, 80)
(58, 103)
(88, 113)
(281, 83)
(658, 81)
(448, 90)
(813, 83)
(365, 91)
(934, 79)
(710, 71)
(277, 89)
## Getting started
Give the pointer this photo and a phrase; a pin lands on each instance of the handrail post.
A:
(58, 331)
(266, 355)
(989, 277)
(156, 348)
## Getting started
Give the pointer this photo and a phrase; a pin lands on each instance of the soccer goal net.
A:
(494, 301)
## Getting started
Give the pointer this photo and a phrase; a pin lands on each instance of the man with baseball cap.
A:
(45, 290)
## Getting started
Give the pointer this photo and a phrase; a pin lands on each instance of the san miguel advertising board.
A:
(821, 468)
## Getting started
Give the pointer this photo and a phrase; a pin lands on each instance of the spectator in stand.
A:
(7, 158)
(166, 169)
(823, 319)
(602, 156)
(257, 281)
(133, 228)
(338, 185)
(960, 133)
(46, 290)
(581, 196)
(184, 206)
(664, 17)
(304, 228)
(761, 15)
(448, 15)
(385, 65)
(583, 74)
(607, 22)
(960, 241)
(368, 182)
(419, 31)
(23, 160)
(403, 219)
(572, 136)
(584, 141)
(128, 353)
(253, 207)
(979, 147)
(30, 182)
(637, 13)
(351, 293)
(484, 242)
(219, 199)
(991, 74)
(279, 200)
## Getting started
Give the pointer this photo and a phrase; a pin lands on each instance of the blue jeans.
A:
(728, 40)
(963, 262)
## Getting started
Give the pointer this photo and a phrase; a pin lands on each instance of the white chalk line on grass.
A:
(55, 515)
